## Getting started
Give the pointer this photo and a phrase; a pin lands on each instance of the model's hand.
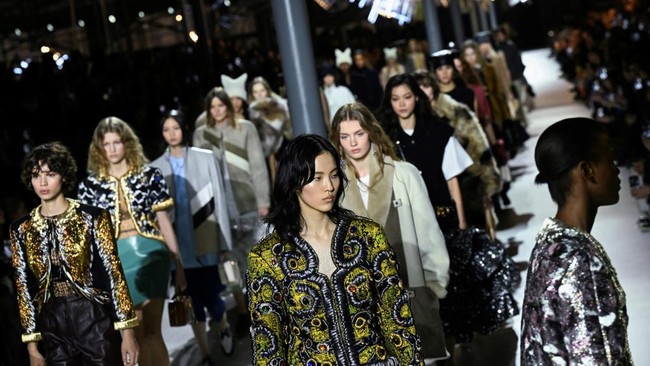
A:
(263, 211)
(179, 282)
(35, 357)
(130, 349)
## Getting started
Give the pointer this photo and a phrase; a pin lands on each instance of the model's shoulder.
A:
(149, 170)
(266, 244)
(93, 211)
(405, 168)
(200, 152)
(244, 123)
(555, 241)
(363, 224)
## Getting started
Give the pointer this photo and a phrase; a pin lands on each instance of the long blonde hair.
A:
(98, 162)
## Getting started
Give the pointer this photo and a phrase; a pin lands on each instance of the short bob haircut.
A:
(219, 93)
(97, 160)
(295, 169)
(561, 147)
(58, 159)
(177, 116)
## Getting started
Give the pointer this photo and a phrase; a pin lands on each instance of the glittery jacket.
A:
(145, 193)
(359, 316)
(574, 310)
(82, 240)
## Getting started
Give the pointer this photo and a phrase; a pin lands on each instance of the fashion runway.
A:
(615, 228)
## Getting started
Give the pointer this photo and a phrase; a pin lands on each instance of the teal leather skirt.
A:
(147, 264)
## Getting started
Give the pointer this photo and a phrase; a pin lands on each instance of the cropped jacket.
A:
(81, 239)
(145, 193)
(360, 315)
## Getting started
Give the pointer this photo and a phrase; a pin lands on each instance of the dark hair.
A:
(295, 169)
(219, 93)
(425, 79)
(561, 147)
(177, 116)
(388, 117)
(58, 159)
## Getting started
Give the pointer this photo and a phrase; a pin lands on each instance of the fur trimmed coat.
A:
(470, 134)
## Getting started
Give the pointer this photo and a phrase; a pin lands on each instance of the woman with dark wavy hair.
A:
(324, 286)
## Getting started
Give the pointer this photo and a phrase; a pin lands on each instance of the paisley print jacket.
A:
(359, 316)
(80, 243)
(574, 309)
(145, 193)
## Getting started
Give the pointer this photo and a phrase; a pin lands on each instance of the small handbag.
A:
(229, 273)
(181, 311)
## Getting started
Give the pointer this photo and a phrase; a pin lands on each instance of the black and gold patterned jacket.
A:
(81, 241)
(145, 192)
(359, 316)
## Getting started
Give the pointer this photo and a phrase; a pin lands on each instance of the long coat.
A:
(207, 198)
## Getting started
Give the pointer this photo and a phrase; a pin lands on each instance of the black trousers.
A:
(78, 331)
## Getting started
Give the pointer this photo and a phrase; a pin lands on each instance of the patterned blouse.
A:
(145, 192)
(360, 315)
(78, 243)
(574, 310)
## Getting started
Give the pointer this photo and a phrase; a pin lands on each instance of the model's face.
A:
(359, 60)
(237, 104)
(344, 67)
(328, 80)
(259, 91)
(47, 184)
(354, 140)
(403, 101)
(114, 148)
(458, 64)
(445, 74)
(172, 133)
(607, 185)
(218, 110)
(470, 56)
(319, 195)
(428, 90)
(485, 48)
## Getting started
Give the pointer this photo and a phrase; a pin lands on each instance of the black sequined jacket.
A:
(80, 246)
(360, 315)
(145, 193)
(574, 310)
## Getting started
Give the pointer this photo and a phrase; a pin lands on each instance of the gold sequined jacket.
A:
(145, 192)
(81, 242)
(360, 315)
